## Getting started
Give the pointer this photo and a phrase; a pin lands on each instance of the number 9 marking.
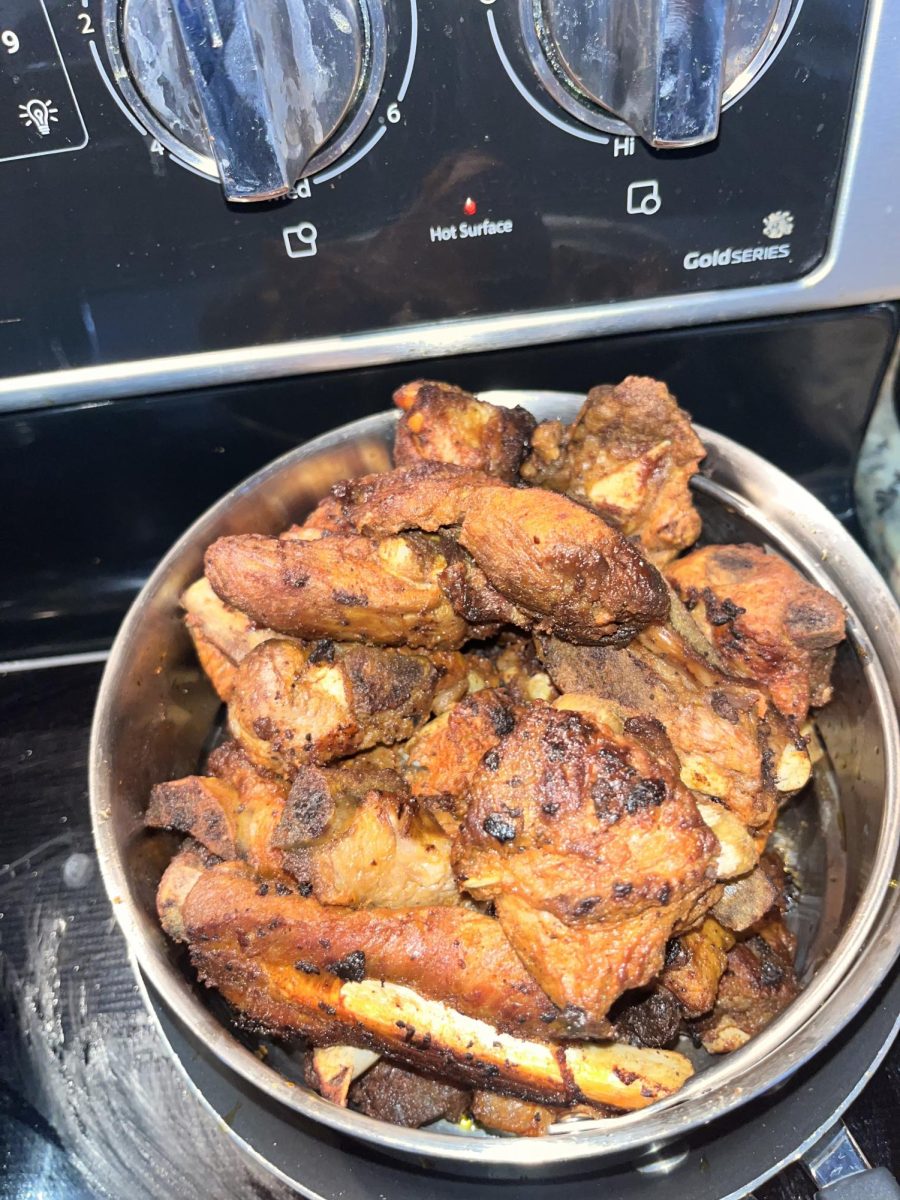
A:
(10, 41)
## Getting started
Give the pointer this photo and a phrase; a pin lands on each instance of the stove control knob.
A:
(664, 67)
(253, 87)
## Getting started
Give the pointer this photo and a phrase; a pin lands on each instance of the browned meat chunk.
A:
(442, 423)
(289, 709)
(346, 833)
(591, 851)
(440, 760)
(352, 835)
(202, 807)
(506, 1114)
(233, 813)
(766, 621)
(455, 955)
(731, 744)
(694, 965)
(342, 586)
(391, 1093)
(630, 453)
(559, 564)
(648, 1020)
(222, 635)
(758, 983)
(247, 944)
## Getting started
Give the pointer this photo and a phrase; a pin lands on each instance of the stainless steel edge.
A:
(795, 522)
(858, 269)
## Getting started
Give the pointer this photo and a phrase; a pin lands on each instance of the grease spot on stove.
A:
(78, 870)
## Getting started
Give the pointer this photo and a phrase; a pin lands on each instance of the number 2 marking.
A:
(84, 20)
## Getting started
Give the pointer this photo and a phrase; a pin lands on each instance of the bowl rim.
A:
(865, 950)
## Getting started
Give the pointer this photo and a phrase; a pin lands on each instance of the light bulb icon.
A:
(39, 113)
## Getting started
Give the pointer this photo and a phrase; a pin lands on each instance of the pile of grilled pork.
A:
(490, 831)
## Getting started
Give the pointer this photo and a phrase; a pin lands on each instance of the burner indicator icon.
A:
(39, 114)
(644, 197)
(300, 240)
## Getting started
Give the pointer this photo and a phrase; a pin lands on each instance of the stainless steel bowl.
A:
(155, 712)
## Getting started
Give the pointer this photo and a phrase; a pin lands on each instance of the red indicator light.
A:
(470, 208)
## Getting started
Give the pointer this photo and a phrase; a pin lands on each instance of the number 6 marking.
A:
(393, 113)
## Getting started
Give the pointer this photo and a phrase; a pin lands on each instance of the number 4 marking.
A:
(156, 147)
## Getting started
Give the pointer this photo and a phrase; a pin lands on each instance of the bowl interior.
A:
(157, 711)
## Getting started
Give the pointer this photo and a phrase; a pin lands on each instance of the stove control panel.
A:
(183, 177)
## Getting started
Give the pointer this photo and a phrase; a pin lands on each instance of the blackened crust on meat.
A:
(380, 690)
(355, 599)
(723, 707)
(351, 968)
(720, 612)
(500, 827)
(321, 799)
(309, 808)
(653, 1020)
(620, 791)
(197, 806)
(401, 1097)
(322, 652)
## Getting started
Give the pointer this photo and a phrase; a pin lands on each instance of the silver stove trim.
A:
(857, 269)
